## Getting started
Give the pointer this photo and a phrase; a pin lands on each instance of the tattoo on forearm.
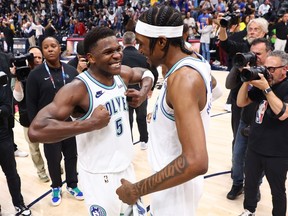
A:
(176, 167)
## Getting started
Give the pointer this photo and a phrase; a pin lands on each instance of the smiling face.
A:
(154, 57)
(106, 56)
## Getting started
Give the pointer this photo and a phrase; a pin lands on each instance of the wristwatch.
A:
(267, 90)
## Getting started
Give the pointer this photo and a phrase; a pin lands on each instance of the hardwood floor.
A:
(213, 202)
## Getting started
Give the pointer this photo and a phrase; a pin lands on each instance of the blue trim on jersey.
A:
(190, 65)
(90, 99)
(120, 78)
(188, 57)
(167, 115)
(98, 83)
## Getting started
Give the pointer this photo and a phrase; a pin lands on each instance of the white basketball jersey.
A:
(164, 144)
(109, 149)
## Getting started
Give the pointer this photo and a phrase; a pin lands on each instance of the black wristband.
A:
(282, 111)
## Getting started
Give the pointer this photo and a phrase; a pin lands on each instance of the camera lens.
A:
(249, 74)
(242, 59)
(224, 22)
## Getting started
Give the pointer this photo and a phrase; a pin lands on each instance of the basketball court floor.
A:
(216, 185)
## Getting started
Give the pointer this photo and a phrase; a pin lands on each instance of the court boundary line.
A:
(148, 207)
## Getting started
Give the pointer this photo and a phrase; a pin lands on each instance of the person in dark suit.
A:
(133, 58)
(8, 35)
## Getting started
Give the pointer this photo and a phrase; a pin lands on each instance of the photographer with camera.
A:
(256, 28)
(34, 58)
(7, 159)
(79, 61)
(259, 50)
(267, 142)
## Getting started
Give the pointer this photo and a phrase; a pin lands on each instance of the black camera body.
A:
(21, 63)
(251, 73)
(229, 19)
(242, 59)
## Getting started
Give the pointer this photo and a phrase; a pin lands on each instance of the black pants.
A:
(10, 45)
(141, 114)
(53, 153)
(275, 170)
(8, 164)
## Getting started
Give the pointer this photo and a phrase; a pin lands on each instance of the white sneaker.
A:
(247, 213)
(143, 145)
(19, 153)
(43, 177)
(227, 107)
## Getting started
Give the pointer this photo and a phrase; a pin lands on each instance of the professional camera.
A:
(21, 63)
(251, 73)
(229, 19)
(3, 79)
(242, 59)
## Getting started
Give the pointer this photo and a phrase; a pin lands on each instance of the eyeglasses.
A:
(272, 69)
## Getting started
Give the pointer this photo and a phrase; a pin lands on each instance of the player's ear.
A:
(90, 58)
(162, 41)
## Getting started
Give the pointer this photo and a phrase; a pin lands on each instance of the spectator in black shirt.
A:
(281, 33)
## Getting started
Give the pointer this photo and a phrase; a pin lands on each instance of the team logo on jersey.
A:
(120, 86)
(97, 210)
(99, 94)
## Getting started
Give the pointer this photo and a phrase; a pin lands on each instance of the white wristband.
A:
(18, 95)
(148, 73)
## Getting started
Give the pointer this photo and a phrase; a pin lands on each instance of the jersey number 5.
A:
(119, 126)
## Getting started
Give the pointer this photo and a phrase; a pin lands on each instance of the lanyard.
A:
(51, 78)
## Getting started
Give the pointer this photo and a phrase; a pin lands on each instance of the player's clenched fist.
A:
(100, 116)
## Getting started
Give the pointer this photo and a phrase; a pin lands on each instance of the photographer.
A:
(256, 28)
(79, 62)
(19, 94)
(7, 159)
(267, 143)
(259, 50)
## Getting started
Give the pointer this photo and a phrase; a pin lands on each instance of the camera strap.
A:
(51, 77)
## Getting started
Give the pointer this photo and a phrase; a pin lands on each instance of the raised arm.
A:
(50, 123)
(277, 105)
(242, 97)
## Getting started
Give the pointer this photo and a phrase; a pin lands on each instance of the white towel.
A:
(138, 209)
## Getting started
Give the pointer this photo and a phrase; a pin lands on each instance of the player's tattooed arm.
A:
(164, 178)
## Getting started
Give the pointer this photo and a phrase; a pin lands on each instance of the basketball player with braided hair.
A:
(177, 143)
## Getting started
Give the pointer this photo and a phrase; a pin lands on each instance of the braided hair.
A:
(163, 15)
